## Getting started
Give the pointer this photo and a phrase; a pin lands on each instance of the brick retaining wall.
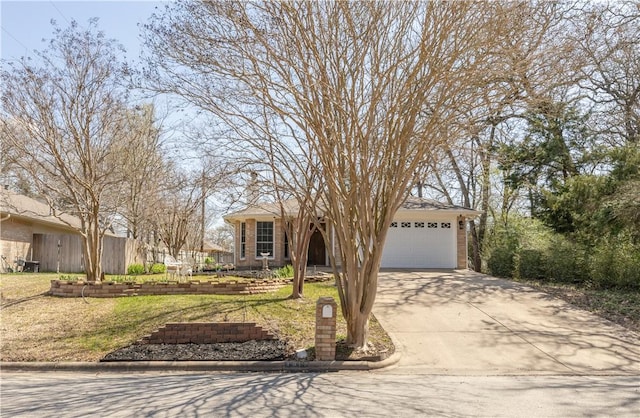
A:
(76, 289)
(206, 333)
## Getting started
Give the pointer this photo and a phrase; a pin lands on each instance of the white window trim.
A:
(273, 241)
(245, 241)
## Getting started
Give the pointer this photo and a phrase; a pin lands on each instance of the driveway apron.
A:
(460, 322)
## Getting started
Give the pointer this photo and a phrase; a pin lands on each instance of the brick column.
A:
(326, 329)
(461, 246)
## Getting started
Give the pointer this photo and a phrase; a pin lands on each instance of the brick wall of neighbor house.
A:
(15, 241)
(461, 240)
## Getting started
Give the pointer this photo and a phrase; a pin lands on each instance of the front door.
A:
(317, 250)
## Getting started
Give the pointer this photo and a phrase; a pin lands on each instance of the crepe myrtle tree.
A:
(289, 176)
(67, 122)
(364, 86)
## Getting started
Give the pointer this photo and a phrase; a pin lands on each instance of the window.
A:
(418, 224)
(446, 225)
(405, 224)
(432, 224)
(264, 238)
(394, 224)
(243, 240)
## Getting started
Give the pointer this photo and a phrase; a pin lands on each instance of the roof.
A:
(412, 203)
(214, 248)
(264, 210)
(422, 204)
(24, 207)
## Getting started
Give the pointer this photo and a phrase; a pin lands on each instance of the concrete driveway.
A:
(459, 322)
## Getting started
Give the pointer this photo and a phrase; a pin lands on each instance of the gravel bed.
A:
(250, 350)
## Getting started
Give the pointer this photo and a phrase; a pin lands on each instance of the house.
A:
(423, 234)
(217, 253)
(31, 235)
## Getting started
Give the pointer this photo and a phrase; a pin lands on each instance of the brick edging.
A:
(76, 289)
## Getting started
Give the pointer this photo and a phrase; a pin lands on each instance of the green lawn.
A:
(36, 327)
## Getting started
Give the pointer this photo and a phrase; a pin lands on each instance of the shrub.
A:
(615, 262)
(158, 268)
(501, 262)
(566, 261)
(501, 248)
(531, 264)
(134, 269)
(208, 260)
(284, 272)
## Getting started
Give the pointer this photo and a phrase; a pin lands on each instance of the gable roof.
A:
(272, 210)
(24, 207)
(262, 210)
(422, 204)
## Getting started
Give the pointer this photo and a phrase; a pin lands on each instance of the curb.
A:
(201, 366)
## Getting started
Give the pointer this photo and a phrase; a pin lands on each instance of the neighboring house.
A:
(197, 258)
(219, 254)
(423, 234)
(29, 232)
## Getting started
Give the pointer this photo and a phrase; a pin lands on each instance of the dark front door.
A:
(317, 250)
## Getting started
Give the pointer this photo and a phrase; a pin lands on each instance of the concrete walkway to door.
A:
(460, 322)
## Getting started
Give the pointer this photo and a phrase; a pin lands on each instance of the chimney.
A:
(252, 192)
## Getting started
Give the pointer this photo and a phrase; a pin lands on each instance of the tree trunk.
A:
(359, 285)
(358, 330)
(300, 230)
(299, 272)
(93, 252)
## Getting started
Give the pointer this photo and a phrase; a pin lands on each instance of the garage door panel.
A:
(422, 244)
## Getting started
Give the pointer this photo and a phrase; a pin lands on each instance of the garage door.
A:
(428, 244)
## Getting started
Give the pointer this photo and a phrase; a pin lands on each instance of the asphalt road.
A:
(341, 394)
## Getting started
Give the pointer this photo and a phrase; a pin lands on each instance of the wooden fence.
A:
(59, 252)
(64, 253)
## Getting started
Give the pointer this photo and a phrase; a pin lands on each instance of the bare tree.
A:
(530, 64)
(369, 86)
(142, 176)
(178, 211)
(608, 40)
(222, 236)
(67, 122)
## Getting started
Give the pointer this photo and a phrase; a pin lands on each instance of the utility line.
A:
(59, 12)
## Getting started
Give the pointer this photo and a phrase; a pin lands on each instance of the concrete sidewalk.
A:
(467, 323)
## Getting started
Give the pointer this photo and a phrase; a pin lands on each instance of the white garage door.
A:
(420, 244)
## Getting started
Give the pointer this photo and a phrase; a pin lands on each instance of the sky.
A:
(25, 23)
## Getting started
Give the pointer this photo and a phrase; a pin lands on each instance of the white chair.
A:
(175, 267)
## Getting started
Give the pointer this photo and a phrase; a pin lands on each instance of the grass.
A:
(37, 327)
